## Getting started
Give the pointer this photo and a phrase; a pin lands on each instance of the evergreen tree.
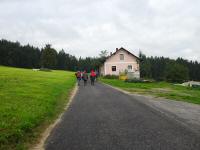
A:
(176, 72)
(13, 54)
(48, 57)
(61, 60)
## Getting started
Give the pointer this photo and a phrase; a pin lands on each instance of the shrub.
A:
(138, 81)
(196, 86)
(45, 69)
(111, 77)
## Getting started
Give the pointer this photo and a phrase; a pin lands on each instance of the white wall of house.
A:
(121, 60)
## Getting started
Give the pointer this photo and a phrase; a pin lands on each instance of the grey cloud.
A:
(84, 27)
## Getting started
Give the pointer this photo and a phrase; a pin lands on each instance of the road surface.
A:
(102, 118)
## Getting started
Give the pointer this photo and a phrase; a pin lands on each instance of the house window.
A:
(129, 67)
(121, 56)
(113, 68)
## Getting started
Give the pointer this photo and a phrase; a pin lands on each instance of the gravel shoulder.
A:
(186, 113)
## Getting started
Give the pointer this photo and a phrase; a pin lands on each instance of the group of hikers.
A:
(84, 76)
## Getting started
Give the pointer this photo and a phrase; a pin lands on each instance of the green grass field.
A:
(28, 100)
(158, 89)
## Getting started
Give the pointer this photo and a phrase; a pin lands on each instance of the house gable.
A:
(128, 57)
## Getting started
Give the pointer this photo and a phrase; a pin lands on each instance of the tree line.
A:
(173, 70)
(16, 55)
(158, 68)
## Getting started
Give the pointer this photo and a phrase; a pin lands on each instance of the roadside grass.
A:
(29, 101)
(158, 89)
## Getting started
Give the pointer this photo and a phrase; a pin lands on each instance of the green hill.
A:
(28, 100)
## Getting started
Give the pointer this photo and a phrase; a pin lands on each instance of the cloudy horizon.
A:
(169, 28)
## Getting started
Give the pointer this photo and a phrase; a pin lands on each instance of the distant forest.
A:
(158, 68)
(15, 55)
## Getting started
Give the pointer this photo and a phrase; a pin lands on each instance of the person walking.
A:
(92, 77)
(78, 77)
(85, 77)
(97, 75)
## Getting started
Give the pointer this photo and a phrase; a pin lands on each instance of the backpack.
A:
(85, 76)
(93, 74)
(78, 75)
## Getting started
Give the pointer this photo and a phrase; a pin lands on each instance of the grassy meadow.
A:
(158, 89)
(29, 100)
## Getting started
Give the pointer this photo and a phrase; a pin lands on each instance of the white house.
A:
(120, 61)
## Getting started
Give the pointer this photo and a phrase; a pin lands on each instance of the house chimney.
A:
(116, 49)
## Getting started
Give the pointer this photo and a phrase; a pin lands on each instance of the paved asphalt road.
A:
(102, 118)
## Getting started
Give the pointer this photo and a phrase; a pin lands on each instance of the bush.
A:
(45, 69)
(111, 77)
(196, 86)
(138, 81)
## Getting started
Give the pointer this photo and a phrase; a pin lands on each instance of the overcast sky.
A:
(168, 28)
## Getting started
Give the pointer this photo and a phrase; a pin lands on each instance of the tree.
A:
(103, 53)
(176, 72)
(14, 54)
(48, 57)
(101, 59)
(61, 60)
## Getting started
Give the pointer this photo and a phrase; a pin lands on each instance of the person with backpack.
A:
(92, 77)
(78, 77)
(97, 75)
(85, 77)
